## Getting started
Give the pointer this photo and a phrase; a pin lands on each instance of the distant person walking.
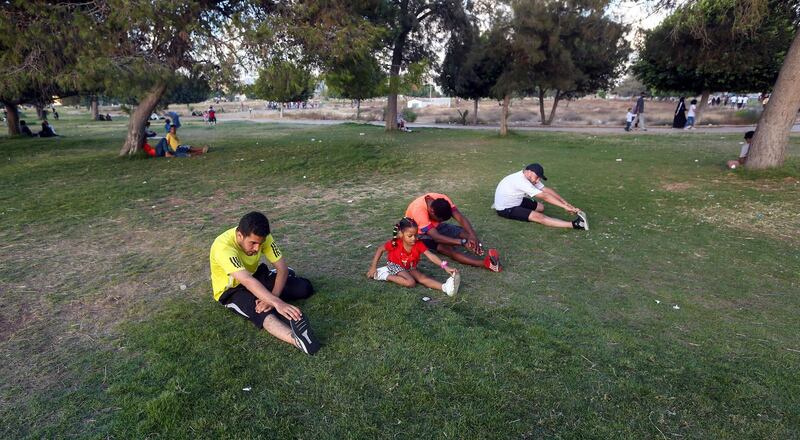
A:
(679, 120)
(640, 113)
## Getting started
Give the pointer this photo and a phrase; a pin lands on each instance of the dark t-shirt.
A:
(640, 105)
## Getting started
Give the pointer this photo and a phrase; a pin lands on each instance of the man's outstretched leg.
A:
(490, 262)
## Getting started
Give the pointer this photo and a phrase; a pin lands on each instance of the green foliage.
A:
(700, 47)
(187, 90)
(409, 115)
(471, 67)
(358, 77)
(283, 81)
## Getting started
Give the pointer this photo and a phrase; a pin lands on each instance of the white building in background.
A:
(425, 102)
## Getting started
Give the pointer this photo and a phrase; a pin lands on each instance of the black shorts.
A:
(239, 300)
(521, 212)
(446, 229)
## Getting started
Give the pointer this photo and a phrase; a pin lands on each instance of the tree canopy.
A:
(677, 57)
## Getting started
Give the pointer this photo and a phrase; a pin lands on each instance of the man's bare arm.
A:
(262, 293)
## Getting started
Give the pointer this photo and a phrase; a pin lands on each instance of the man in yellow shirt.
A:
(246, 286)
(179, 150)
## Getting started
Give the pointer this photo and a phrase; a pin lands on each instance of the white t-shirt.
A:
(692, 108)
(745, 150)
(629, 117)
(512, 189)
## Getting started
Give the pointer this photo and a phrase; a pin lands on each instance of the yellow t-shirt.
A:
(227, 257)
(173, 141)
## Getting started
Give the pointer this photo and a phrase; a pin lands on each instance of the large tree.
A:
(412, 29)
(697, 50)
(283, 81)
(582, 49)
(467, 71)
(357, 77)
(34, 54)
(768, 148)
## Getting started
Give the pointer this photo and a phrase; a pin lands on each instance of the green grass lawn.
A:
(109, 330)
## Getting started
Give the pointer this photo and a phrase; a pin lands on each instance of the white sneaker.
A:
(584, 219)
(450, 287)
(382, 273)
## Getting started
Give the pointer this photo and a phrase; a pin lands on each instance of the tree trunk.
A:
(475, 112)
(281, 109)
(94, 107)
(136, 137)
(358, 109)
(768, 149)
(12, 115)
(394, 82)
(541, 106)
(555, 105)
(701, 108)
(39, 111)
(504, 117)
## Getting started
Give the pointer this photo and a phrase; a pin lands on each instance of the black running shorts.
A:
(521, 212)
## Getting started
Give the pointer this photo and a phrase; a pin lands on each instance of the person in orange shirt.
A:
(431, 212)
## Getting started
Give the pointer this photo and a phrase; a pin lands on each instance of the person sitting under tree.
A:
(47, 130)
(24, 129)
(248, 288)
(177, 149)
(511, 200)
(431, 212)
(745, 151)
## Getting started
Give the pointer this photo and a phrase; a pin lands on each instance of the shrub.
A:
(409, 115)
(747, 116)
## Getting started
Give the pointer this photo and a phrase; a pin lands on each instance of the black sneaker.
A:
(578, 224)
(303, 336)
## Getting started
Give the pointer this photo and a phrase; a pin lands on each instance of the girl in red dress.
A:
(403, 255)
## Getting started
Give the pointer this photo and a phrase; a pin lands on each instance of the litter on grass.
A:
(426, 298)
(182, 286)
(658, 302)
(619, 160)
(676, 307)
(247, 388)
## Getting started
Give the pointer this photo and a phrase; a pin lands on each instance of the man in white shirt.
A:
(511, 200)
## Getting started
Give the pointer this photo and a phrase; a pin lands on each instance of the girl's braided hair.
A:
(405, 222)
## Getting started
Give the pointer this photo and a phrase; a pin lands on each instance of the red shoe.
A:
(492, 261)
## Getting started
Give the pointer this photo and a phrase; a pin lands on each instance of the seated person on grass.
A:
(430, 212)
(248, 288)
(147, 132)
(511, 200)
(403, 255)
(24, 129)
(177, 149)
(47, 130)
(748, 139)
